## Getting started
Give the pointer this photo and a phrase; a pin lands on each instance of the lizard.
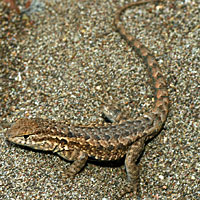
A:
(104, 143)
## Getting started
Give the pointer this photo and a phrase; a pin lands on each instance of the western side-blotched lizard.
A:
(105, 143)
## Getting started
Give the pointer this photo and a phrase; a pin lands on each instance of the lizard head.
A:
(30, 133)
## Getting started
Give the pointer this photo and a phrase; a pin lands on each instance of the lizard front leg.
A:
(79, 158)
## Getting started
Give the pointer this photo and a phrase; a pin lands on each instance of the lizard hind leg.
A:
(132, 169)
(80, 158)
(113, 114)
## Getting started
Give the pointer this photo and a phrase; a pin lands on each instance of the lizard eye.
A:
(26, 136)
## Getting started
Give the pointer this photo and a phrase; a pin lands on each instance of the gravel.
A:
(63, 60)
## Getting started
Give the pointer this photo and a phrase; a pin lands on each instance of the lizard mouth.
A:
(21, 140)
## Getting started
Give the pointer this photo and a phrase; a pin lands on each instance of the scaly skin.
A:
(78, 143)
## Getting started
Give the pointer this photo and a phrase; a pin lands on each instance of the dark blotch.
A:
(96, 137)
(142, 128)
(126, 133)
(107, 137)
(100, 148)
(120, 146)
(116, 136)
(87, 137)
(70, 134)
(110, 148)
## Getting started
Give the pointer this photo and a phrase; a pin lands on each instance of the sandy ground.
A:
(65, 59)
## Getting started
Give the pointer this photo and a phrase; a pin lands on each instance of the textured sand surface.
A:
(66, 60)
